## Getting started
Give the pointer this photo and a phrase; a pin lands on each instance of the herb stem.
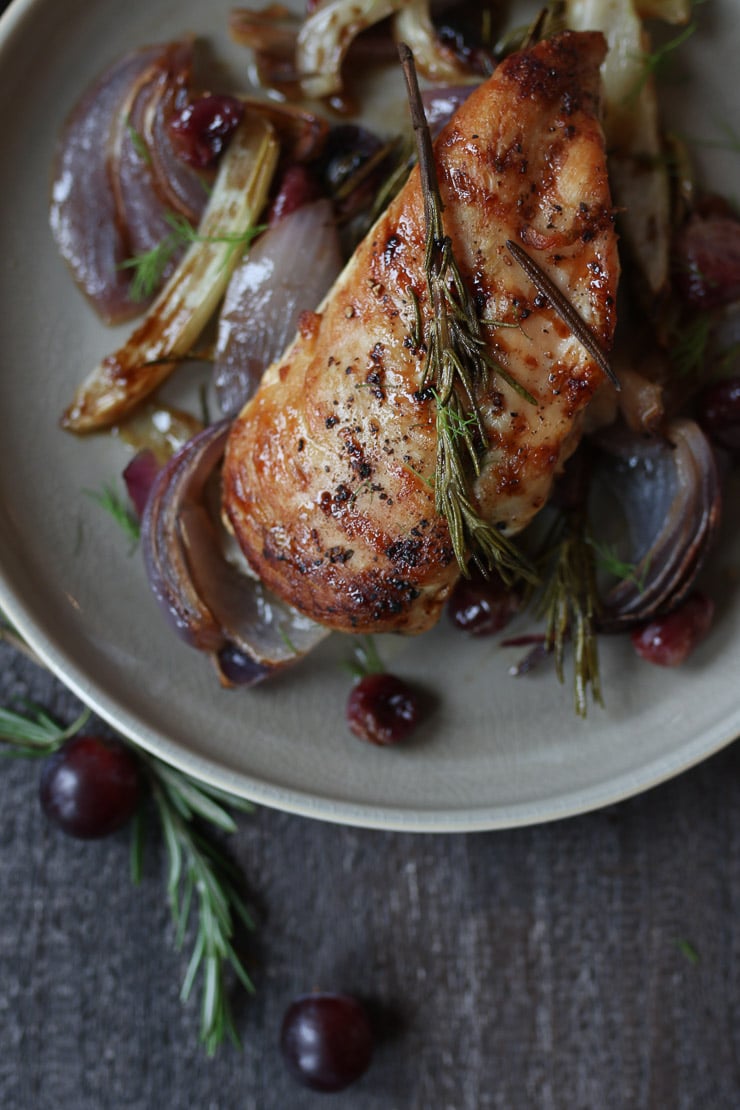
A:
(565, 310)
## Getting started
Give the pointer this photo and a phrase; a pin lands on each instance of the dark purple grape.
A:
(668, 641)
(201, 130)
(326, 1040)
(382, 709)
(482, 606)
(90, 787)
(718, 413)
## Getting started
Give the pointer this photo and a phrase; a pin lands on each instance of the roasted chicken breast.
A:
(327, 479)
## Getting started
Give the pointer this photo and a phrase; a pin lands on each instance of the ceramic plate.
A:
(496, 751)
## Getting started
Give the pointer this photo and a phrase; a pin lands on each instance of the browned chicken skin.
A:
(327, 477)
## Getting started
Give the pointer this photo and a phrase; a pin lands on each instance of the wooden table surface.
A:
(592, 963)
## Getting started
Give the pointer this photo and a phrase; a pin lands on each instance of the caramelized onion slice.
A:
(84, 218)
(287, 271)
(175, 321)
(655, 504)
(328, 32)
(212, 604)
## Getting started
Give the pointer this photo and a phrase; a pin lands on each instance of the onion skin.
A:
(181, 481)
(211, 604)
(670, 494)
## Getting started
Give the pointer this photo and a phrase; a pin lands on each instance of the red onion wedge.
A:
(213, 605)
(171, 328)
(116, 175)
(83, 206)
(287, 271)
(655, 506)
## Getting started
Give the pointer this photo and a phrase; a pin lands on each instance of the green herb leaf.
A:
(138, 142)
(689, 344)
(149, 266)
(201, 877)
(366, 658)
(687, 949)
(655, 62)
(569, 602)
(35, 733)
(115, 504)
(608, 559)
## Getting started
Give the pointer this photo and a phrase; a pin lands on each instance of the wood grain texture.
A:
(535, 968)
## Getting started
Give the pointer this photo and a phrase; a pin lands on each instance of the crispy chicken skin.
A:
(327, 475)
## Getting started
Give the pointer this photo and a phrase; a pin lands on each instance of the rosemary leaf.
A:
(569, 603)
(200, 873)
(35, 733)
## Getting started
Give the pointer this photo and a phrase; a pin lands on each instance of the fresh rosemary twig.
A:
(456, 365)
(198, 868)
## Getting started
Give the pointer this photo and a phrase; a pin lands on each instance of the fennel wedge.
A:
(172, 325)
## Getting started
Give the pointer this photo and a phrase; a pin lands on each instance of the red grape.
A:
(90, 787)
(669, 640)
(382, 709)
(201, 130)
(326, 1040)
(718, 412)
(482, 606)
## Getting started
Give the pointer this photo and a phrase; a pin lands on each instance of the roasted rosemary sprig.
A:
(457, 365)
(198, 867)
(569, 603)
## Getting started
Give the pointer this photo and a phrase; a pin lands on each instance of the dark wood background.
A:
(591, 963)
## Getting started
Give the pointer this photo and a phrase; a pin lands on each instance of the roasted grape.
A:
(382, 709)
(668, 641)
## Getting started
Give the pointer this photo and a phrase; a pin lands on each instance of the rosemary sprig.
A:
(149, 266)
(197, 867)
(35, 734)
(569, 603)
(456, 365)
(199, 873)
